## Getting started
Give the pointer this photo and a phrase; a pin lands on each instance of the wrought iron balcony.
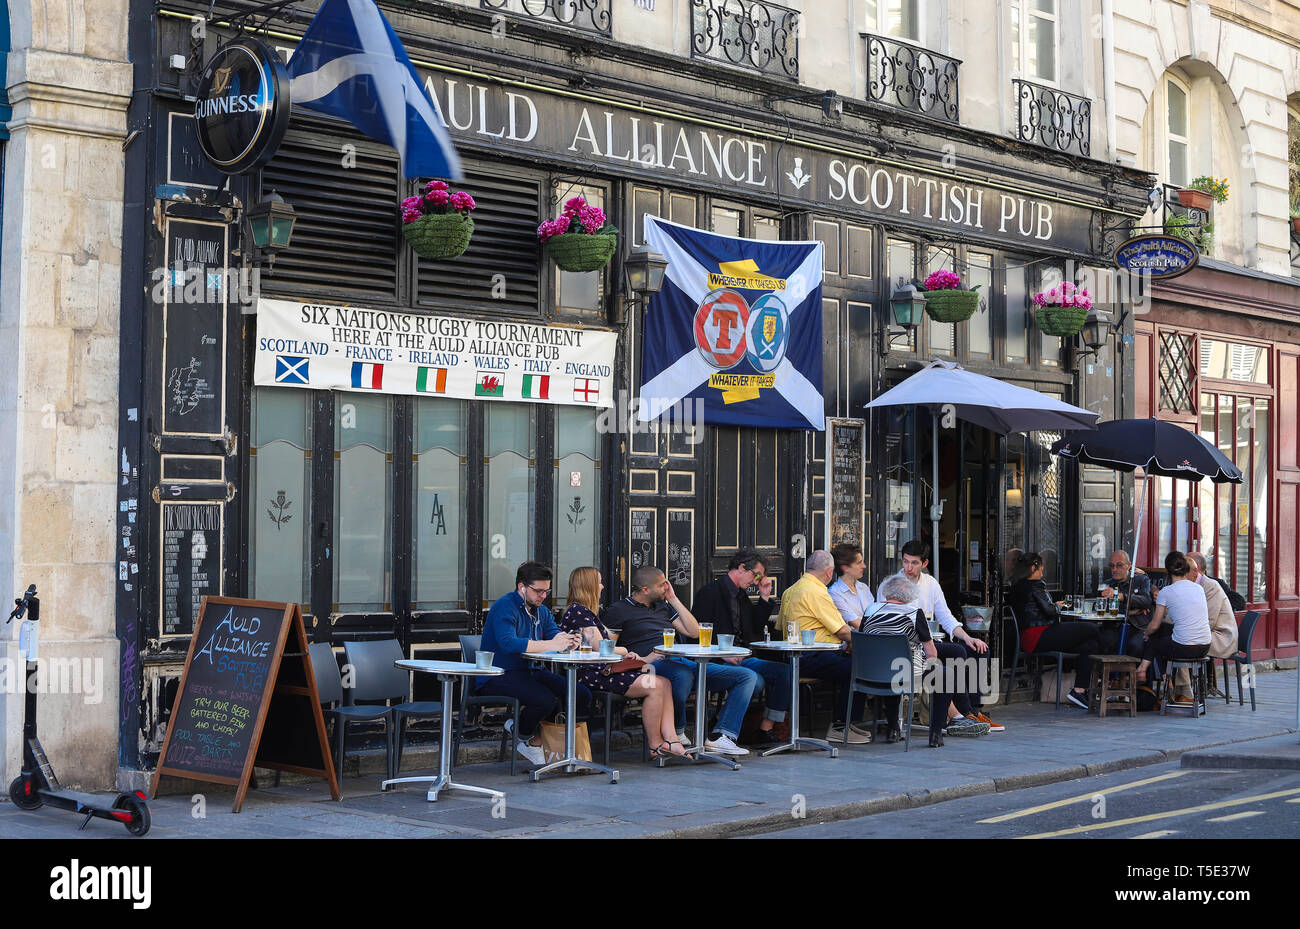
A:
(583, 15)
(911, 78)
(1052, 118)
(751, 34)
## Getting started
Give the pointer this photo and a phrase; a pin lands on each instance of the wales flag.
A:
(737, 324)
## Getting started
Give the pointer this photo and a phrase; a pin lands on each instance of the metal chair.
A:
(329, 687)
(469, 644)
(1196, 669)
(1245, 634)
(875, 665)
(376, 678)
(1009, 611)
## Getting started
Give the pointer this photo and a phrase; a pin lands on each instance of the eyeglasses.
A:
(541, 592)
(1119, 564)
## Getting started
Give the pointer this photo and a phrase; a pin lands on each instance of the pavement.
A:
(1041, 745)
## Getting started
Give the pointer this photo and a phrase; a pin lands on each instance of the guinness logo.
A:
(242, 106)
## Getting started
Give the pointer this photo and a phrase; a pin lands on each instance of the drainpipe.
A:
(1108, 72)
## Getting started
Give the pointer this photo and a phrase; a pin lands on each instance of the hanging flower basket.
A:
(580, 238)
(436, 223)
(1063, 321)
(575, 251)
(946, 301)
(439, 235)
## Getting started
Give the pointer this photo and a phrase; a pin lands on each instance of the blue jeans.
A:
(774, 678)
(740, 683)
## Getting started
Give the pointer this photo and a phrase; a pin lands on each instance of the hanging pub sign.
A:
(1159, 256)
(242, 106)
(323, 347)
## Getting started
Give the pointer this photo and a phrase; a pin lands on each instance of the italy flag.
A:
(537, 386)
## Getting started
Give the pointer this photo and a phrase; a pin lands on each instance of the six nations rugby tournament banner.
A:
(354, 348)
(737, 324)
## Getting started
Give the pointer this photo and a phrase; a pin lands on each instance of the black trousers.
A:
(540, 694)
(1082, 639)
(960, 697)
(1166, 647)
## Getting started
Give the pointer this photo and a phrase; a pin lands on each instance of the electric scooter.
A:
(37, 785)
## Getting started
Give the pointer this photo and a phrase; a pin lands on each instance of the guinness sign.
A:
(242, 108)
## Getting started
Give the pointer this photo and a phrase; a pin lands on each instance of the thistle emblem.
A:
(279, 510)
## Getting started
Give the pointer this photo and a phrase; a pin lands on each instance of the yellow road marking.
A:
(1081, 799)
(1296, 800)
(1231, 816)
(1159, 834)
(1150, 817)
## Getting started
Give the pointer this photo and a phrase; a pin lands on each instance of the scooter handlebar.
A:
(20, 607)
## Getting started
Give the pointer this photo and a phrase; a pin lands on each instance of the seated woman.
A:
(1183, 603)
(850, 595)
(1041, 629)
(585, 587)
(899, 617)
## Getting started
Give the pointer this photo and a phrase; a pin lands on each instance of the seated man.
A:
(808, 604)
(1134, 591)
(519, 624)
(1223, 622)
(724, 603)
(642, 619)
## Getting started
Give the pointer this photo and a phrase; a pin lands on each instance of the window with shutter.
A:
(500, 272)
(345, 192)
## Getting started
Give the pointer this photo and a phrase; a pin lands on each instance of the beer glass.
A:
(670, 638)
(706, 635)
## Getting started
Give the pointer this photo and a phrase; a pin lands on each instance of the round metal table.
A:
(702, 656)
(795, 650)
(447, 672)
(571, 763)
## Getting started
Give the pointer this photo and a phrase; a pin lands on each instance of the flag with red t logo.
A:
(737, 324)
(586, 390)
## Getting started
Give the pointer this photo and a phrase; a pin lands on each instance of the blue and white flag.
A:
(352, 65)
(737, 324)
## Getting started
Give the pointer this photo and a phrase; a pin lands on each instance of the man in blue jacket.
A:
(518, 624)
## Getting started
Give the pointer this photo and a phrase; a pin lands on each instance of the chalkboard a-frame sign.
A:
(244, 701)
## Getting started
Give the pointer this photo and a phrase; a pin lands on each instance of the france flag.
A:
(352, 65)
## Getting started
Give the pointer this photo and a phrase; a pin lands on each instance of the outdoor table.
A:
(571, 762)
(701, 656)
(447, 672)
(1090, 617)
(795, 650)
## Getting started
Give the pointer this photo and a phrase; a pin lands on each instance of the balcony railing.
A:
(1052, 118)
(750, 34)
(911, 78)
(583, 15)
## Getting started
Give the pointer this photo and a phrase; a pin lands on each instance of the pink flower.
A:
(943, 280)
(592, 219)
(436, 185)
(574, 204)
(410, 216)
(462, 202)
(437, 197)
(411, 203)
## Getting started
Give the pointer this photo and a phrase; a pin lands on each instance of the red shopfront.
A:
(1219, 353)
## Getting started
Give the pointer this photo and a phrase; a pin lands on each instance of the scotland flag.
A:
(738, 324)
(351, 64)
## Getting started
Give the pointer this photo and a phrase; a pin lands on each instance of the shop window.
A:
(1232, 361)
(577, 494)
(280, 495)
(1234, 518)
(979, 328)
(509, 503)
(438, 520)
(767, 228)
(1049, 346)
(363, 497)
(726, 221)
(1033, 38)
(1177, 376)
(645, 202)
(943, 336)
(581, 293)
(1049, 527)
(1176, 129)
(899, 426)
(1017, 313)
(901, 263)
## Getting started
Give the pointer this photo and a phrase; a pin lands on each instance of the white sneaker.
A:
(684, 739)
(723, 745)
(855, 737)
(533, 754)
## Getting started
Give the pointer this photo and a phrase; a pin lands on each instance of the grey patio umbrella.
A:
(984, 401)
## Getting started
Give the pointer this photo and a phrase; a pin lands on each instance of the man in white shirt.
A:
(916, 558)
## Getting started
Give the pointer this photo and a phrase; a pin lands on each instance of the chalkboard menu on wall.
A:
(191, 562)
(642, 536)
(236, 670)
(194, 326)
(845, 459)
(679, 565)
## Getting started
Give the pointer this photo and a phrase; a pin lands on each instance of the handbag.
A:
(627, 664)
(553, 741)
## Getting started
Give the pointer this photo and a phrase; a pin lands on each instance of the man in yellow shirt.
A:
(808, 603)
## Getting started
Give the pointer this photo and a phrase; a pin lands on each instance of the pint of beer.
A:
(670, 638)
(706, 635)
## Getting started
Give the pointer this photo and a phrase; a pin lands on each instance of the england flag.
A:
(352, 65)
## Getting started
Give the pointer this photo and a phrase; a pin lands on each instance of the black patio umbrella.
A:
(1155, 446)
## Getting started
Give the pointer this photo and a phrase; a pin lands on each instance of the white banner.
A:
(323, 347)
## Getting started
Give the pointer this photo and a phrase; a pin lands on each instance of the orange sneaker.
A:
(993, 727)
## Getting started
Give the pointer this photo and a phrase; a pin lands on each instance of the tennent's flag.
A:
(351, 64)
(738, 324)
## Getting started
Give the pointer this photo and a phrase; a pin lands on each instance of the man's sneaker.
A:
(532, 753)
(684, 739)
(965, 726)
(863, 730)
(855, 737)
(723, 745)
(763, 737)
(1078, 699)
(981, 718)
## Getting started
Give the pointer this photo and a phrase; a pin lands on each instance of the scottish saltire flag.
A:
(737, 324)
(291, 369)
(351, 64)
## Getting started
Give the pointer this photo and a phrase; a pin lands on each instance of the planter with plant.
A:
(436, 223)
(945, 299)
(1202, 236)
(1202, 191)
(1062, 310)
(581, 238)
(1295, 217)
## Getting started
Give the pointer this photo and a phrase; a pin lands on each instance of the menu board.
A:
(191, 562)
(681, 542)
(194, 323)
(845, 462)
(236, 670)
(641, 536)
